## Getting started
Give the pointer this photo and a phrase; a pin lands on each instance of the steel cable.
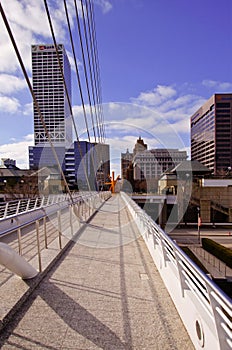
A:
(65, 86)
(34, 98)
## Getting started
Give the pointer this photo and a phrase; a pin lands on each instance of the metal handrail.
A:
(22, 206)
(87, 200)
(13, 208)
(217, 304)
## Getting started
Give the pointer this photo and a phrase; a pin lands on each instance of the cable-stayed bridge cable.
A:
(77, 70)
(34, 98)
(66, 90)
(90, 68)
(85, 69)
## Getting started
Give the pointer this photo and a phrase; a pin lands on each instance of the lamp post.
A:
(186, 197)
(199, 224)
(228, 173)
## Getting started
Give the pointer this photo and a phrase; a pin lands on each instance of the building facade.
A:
(152, 163)
(80, 161)
(211, 133)
(54, 106)
(149, 164)
(126, 164)
(52, 95)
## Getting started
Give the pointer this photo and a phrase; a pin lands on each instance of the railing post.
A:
(59, 229)
(17, 209)
(82, 207)
(5, 211)
(19, 240)
(36, 201)
(218, 319)
(42, 202)
(45, 233)
(71, 218)
(28, 203)
(86, 209)
(38, 245)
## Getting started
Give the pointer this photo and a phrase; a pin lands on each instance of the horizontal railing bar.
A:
(23, 225)
(207, 293)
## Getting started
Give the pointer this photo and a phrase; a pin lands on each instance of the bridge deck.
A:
(104, 293)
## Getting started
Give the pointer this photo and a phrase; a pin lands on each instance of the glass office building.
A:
(211, 133)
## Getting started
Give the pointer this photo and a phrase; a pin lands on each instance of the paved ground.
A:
(104, 293)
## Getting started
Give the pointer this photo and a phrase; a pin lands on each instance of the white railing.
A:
(14, 208)
(65, 221)
(205, 310)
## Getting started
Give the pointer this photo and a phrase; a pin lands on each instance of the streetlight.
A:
(228, 170)
(199, 224)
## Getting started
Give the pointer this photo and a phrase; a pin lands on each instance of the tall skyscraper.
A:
(50, 92)
(79, 160)
(53, 101)
(211, 133)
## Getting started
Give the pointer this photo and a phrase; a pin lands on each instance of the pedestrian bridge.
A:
(100, 274)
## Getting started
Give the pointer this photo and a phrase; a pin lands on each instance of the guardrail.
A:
(206, 311)
(66, 220)
(12, 208)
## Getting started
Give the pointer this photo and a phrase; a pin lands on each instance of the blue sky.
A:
(159, 61)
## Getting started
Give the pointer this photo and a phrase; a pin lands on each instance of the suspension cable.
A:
(78, 78)
(85, 69)
(98, 67)
(91, 49)
(93, 63)
(34, 99)
(77, 71)
(90, 68)
(66, 89)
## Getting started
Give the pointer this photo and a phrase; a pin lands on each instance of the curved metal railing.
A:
(14, 208)
(208, 301)
(65, 220)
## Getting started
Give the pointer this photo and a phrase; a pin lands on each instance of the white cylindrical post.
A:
(16, 263)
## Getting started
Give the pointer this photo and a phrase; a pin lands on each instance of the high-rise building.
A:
(52, 95)
(211, 133)
(82, 162)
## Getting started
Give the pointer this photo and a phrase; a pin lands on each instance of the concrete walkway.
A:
(104, 293)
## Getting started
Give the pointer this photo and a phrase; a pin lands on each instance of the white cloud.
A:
(29, 15)
(156, 96)
(218, 86)
(27, 21)
(17, 150)
(9, 104)
(164, 121)
(162, 125)
(28, 109)
(11, 83)
(105, 5)
(29, 24)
